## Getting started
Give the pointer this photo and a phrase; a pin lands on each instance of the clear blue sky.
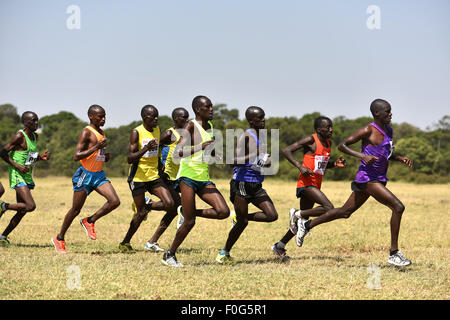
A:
(289, 57)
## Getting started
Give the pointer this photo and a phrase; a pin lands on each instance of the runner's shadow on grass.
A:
(110, 252)
(388, 267)
(22, 245)
(287, 260)
(189, 250)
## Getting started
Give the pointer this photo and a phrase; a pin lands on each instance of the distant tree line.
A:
(429, 150)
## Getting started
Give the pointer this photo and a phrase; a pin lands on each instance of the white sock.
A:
(298, 214)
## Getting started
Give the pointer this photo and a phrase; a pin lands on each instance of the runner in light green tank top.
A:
(21, 153)
(194, 167)
(194, 175)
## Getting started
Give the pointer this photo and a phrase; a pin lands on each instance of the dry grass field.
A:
(345, 259)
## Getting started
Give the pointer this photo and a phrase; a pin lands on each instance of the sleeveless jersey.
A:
(383, 151)
(147, 168)
(317, 162)
(170, 167)
(252, 170)
(26, 157)
(94, 162)
(195, 167)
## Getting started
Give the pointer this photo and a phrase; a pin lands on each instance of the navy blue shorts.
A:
(251, 191)
(360, 187)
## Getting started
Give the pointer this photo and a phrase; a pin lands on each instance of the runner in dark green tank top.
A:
(20, 153)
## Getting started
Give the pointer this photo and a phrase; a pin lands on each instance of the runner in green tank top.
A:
(193, 176)
(21, 153)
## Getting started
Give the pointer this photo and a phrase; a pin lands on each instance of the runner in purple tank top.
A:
(378, 170)
(377, 149)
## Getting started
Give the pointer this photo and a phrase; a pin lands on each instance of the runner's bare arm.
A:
(288, 152)
(185, 145)
(82, 150)
(241, 152)
(16, 143)
(340, 163)
(44, 156)
(401, 159)
(134, 154)
(360, 134)
(166, 137)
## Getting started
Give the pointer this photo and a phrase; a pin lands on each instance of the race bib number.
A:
(101, 156)
(320, 164)
(32, 158)
(392, 148)
(259, 162)
(152, 152)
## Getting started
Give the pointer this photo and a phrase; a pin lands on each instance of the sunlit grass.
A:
(334, 262)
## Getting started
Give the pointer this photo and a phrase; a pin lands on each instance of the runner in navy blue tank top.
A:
(246, 185)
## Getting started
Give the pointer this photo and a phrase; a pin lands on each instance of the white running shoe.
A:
(180, 217)
(153, 247)
(293, 220)
(301, 232)
(171, 260)
(397, 259)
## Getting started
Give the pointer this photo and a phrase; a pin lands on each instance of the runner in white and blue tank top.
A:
(249, 172)
(246, 184)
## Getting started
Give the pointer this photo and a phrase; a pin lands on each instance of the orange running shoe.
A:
(60, 245)
(89, 227)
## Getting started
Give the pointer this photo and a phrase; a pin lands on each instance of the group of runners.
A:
(173, 166)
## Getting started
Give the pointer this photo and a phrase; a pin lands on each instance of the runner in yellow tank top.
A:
(171, 166)
(194, 177)
(143, 155)
(169, 140)
(91, 152)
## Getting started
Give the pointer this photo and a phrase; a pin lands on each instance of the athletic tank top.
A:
(195, 167)
(26, 157)
(317, 162)
(147, 167)
(383, 151)
(252, 171)
(170, 167)
(94, 162)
